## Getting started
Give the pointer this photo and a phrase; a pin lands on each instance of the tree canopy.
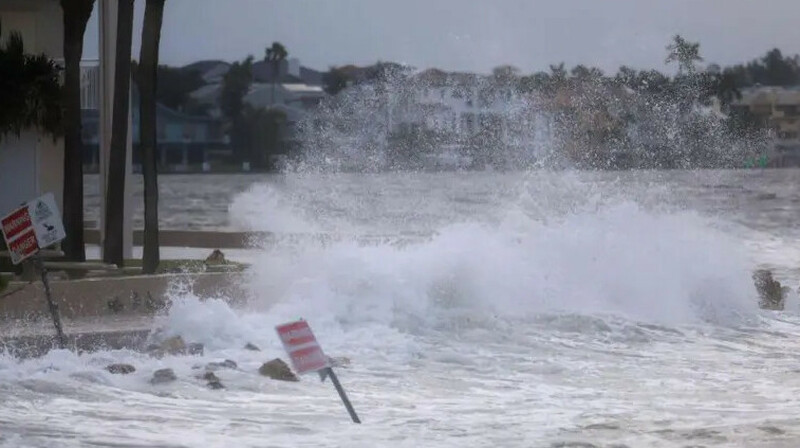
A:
(235, 86)
(30, 90)
(685, 53)
(174, 85)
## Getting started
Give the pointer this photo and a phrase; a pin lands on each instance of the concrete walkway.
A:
(32, 338)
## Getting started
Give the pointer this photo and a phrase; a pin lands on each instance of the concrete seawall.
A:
(117, 296)
(213, 239)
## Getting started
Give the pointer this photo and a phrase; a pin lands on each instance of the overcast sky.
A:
(471, 35)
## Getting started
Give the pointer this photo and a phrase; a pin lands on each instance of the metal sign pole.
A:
(329, 372)
(62, 340)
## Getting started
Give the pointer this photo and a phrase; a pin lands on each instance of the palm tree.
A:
(76, 16)
(30, 90)
(275, 54)
(148, 78)
(685, 53)
(115, 193)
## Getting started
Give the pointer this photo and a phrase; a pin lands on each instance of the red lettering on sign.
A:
(17, 222)
(301, 345)
(24, 246)
(309, 359)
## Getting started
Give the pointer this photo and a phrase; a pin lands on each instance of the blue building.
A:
(185, 142)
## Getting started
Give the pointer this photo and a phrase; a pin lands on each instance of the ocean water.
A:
(499, 309)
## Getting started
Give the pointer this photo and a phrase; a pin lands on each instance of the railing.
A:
(90, 84)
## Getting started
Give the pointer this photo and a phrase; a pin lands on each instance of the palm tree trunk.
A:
(115, 193)
(148, 69)
(76, 15)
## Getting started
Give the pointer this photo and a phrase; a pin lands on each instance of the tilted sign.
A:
(34, 226)
(307, 356)
(304, 352)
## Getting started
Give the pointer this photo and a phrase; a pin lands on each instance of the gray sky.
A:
(471, 35)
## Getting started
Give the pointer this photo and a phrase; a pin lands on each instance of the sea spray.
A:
(669, 268)
(264, 207)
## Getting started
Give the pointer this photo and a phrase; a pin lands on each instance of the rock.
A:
(252, 347)
(174, 345)
(163, 376)
(213, 380)
(277, 370)
(209, 376)
(216, 257)
(771, 296)
(121, 369)
(215, 385)
(339, 361)
(169, 346)
(227, 364)
(196, 348)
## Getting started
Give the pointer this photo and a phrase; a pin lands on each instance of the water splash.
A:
(618, 260)
(394, 118)
(265, 207)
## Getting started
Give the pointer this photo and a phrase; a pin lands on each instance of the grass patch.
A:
(186, 265)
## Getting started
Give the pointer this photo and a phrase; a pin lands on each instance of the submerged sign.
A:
(304, 352)
(307, 356)
(34, 226)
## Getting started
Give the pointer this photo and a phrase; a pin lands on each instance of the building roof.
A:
(302, 88)
(264, 71)
(207, 94)
(204, 66)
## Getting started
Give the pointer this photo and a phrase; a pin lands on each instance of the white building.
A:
(33, 164)
(459, 103)
(295, 95)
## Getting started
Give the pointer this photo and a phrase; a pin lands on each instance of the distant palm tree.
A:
(115, 189)
(76, 15)
(685, 53)
(148, 80)
(275, 54)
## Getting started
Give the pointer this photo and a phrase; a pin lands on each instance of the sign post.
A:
(28, 229)
(51, 304)
(306, 356)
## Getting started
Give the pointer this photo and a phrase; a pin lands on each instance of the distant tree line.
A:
(256, 134)
(629, 119)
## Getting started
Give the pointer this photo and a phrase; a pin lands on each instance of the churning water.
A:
(539, 309)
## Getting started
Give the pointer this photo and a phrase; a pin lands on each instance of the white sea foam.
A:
(669, 268)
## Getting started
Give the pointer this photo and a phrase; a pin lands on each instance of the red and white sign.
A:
(31, 227)
(17, 222)
(304, 352)
(24, 246)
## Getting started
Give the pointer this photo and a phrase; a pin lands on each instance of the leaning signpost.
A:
(306, 356)
(30, 228)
